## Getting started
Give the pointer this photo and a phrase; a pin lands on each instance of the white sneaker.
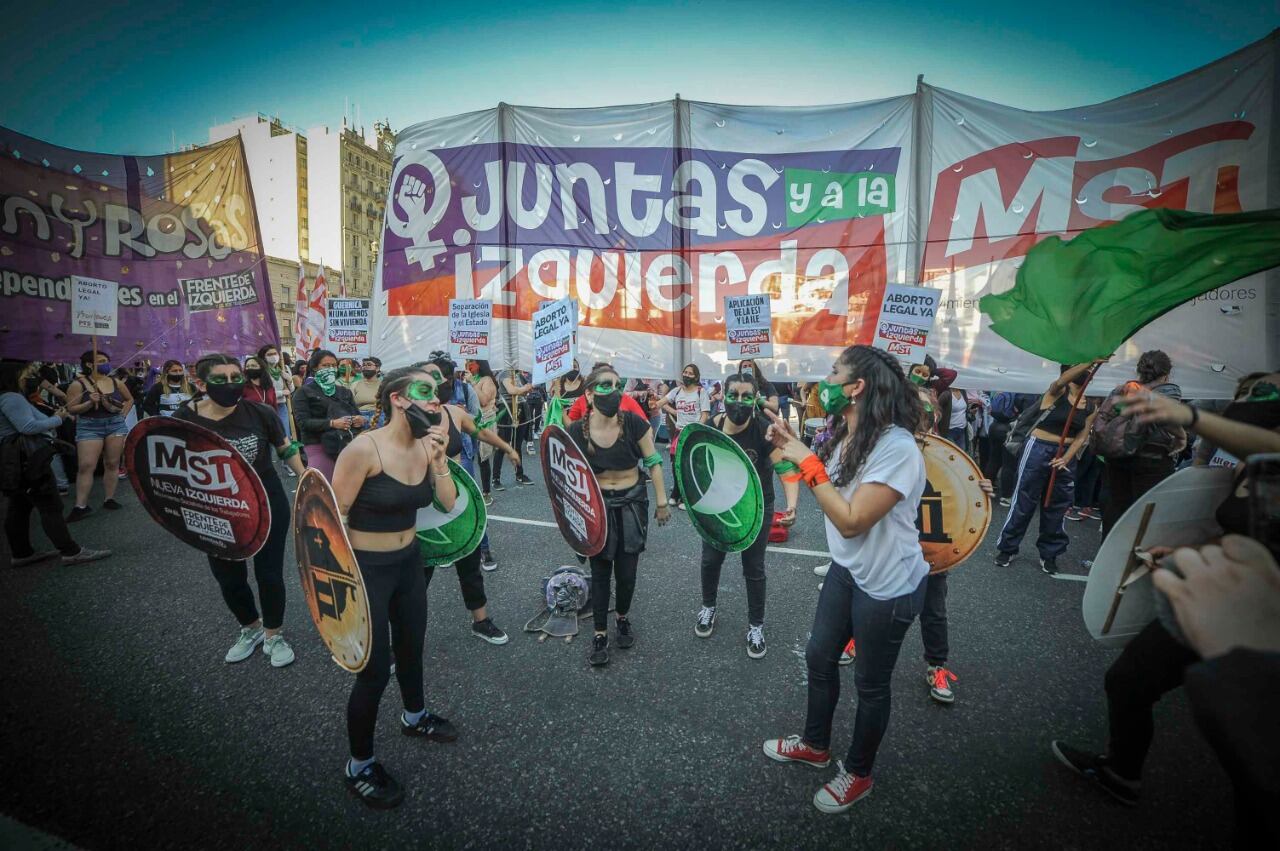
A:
(249, 639)
(821, 570)
(278, 651)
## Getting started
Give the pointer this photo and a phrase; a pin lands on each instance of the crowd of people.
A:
(385, 440)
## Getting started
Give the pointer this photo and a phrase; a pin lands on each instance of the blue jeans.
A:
(282, 409)
(960, 437)
(878, 626)
(1033, 478)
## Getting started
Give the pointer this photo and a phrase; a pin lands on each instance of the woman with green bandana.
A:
(325, 412)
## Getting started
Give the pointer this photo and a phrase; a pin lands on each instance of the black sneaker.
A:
(523, 480)
(498, 486)
(488, 630)
(599, 650)
(706, 623)
(1049, 565)
(1004, 559)
(1098, 769)
(375, 787)
(487, 561)
(755, 642)
(625, 637)
(433, 728)
(111, 505)
(78, 512)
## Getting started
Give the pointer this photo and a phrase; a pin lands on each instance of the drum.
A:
(812, 426)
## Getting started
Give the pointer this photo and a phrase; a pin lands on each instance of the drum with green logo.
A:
(721, 488)
(445, 538)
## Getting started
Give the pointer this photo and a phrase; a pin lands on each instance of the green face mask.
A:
(916, 378)
(832, 398)
(327, 379)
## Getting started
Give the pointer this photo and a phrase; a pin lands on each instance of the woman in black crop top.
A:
(253, 429)
(1153, 663)
(614, 442)
(1045, 452)
(381, 480)
(470, 579)
(743, 421)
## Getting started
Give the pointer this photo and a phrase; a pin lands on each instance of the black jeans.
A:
(752, 572)
(1089, 469)
(878, 626)
(1127, 480)
(268, 569)
(17, 521)
(933, 619)
(993, 455)
(1152, 664)
(514, 434)
(622, 569)
(486, 473)
(470, 579)
(398, 605)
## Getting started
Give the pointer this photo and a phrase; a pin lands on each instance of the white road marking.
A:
(795, 552)
(1070, 577)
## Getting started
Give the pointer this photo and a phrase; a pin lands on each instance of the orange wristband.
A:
(813, 471)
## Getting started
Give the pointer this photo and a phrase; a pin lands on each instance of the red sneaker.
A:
(850, 653)
(794, 749)
(843, 791)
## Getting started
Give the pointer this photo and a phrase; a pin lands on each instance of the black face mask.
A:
(572, 375)
(688, 380)
(420, 421)
(254, 374)
(607, 404)
(175, 380)
(369, 373)
(226, 395)
(444, 391)
(738, 412)
(1262, 414)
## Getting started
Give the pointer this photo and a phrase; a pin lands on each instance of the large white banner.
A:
(1001, 179)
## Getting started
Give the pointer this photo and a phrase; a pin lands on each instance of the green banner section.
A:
(827, 196)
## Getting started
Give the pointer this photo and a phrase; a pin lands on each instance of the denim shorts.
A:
(100, 428)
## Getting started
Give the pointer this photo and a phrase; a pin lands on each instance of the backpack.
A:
(1004, 408)
(1118, 437)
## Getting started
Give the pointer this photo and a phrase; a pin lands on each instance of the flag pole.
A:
(1062, 439)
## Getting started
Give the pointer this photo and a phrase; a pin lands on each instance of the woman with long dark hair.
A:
(380, 481)
(868, 480)
(326, 412)
(253, 429)
(486, 387)
(100, 403)
(515, 419)
(257, 383)
(684, 405)
(615, 443)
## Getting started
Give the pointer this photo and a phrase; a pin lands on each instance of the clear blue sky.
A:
(123, 77)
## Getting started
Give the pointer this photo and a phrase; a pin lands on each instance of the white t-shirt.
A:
(886, 561)
(689, 403)
(959, 412)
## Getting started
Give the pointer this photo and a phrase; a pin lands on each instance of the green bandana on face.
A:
(327, 380)
(832, 398)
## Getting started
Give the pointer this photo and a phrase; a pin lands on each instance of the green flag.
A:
(1079, 300)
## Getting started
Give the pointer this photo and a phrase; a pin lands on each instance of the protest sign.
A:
(747, 326)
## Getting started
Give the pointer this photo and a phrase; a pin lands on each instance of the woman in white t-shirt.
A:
(688, 403)
(868, 480)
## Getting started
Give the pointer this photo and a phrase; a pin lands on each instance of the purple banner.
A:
(177, 232)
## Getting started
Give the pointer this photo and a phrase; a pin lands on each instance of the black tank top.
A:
(1058, 416)
(454, 447)
(387, 505)
(623, 454)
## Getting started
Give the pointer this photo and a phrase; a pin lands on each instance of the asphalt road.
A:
(121, 726)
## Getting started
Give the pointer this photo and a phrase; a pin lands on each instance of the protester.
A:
(615, 442)
(381, 509)
(1137, 458)
(170, 392)
(486, 387)
(258, 386)
(512, 389)
(26, 473)
(1089, 488)
(460, 427)
(100, 403)
(579, 408)
(746, 426)
(365, 390)
(1154, 662)
(1049, 452)
(569, 387)
(684, 405)
(326, 413)
(868, 480)
(252, 428)
(1227, 602)
(767, 390)
(281, 382)
(347, 372)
